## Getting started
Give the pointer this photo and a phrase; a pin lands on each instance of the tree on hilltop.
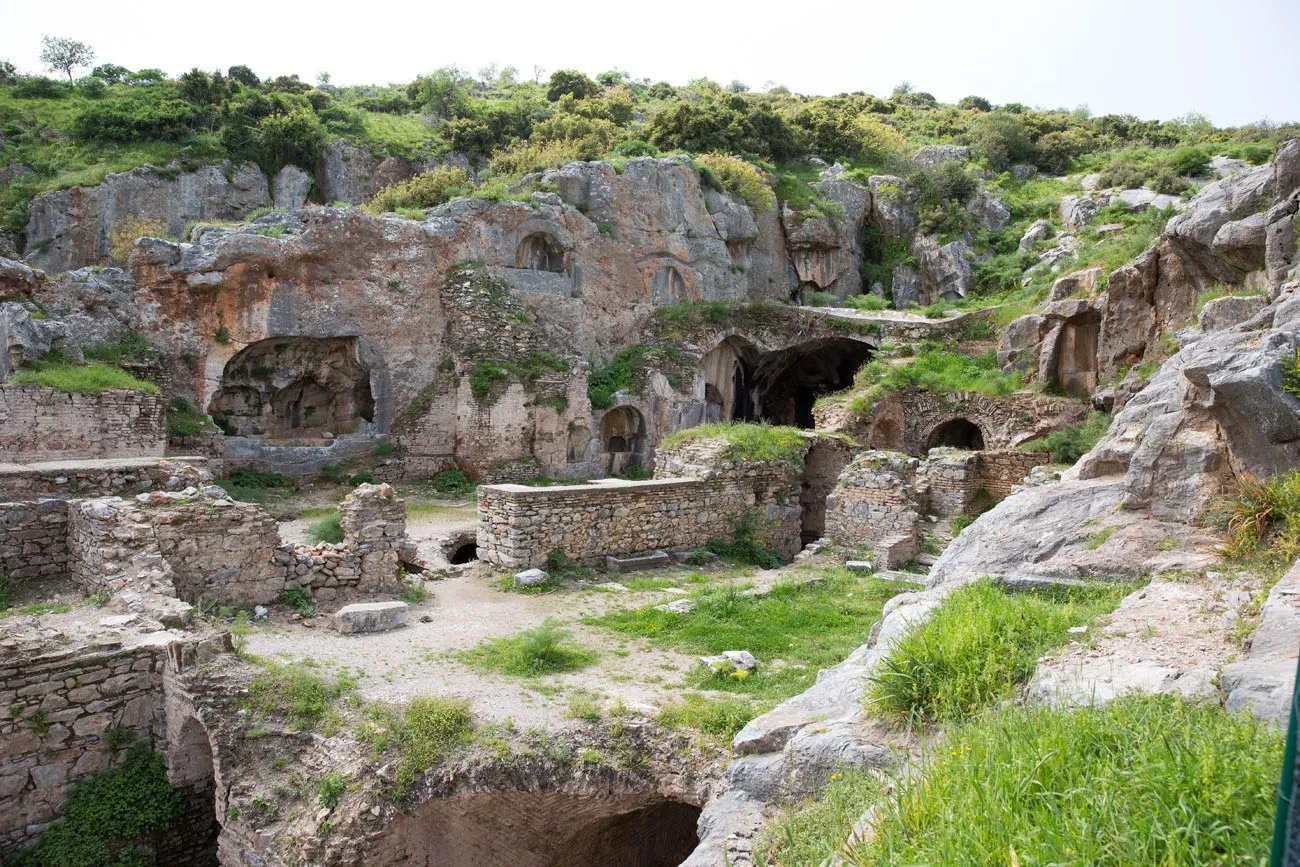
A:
(65, 55)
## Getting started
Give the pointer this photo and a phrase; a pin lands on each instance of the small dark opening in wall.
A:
(466, 553)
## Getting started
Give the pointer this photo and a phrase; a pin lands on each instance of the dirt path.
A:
(467, 609)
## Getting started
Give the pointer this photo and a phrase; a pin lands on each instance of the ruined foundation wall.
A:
(96, 478)
(1000, 471)
(34, 540)
(43, 424)
(875, 505)
(56, 709)
(520, 526)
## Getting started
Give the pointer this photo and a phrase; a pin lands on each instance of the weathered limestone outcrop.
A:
(71, 228)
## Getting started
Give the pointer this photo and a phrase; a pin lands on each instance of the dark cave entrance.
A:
(957, 433)
(746, 384)
(466, 552)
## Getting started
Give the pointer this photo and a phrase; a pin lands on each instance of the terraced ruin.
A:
(644, 501)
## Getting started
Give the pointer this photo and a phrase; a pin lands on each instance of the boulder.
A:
(931, 156)
(1228, 311)
(1286, 167)
(365, 617)
(1224, 166)
(906, 287)
(1241, 243)
(1216, 204)
(351, 174)
(1024, 171)
(991, 213)
(945, 269)
(1077, 284)
(1090, 182)
(1140, 200)
(1280, 248)
(17, 279)
(893, 207)
(24, 339)
(1265, 679)
(1020, 341)
(290, 188)
(1039, 230)
(531, 578)
(1076, 212)
(677, 606)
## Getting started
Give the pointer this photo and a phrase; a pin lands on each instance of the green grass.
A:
(1221, 291)
(1149, 781)
(1261, 519)
(296, 691)
(747, 441)
(36, 609)
(977, 648)
(533, 652)
(809, 626)
(718, 717)
(92, 378)
(1072, 441)
(415, 737)
(934, 370)
(625, 371)
(327, 529)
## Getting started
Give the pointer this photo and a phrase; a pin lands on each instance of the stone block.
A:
(639, 563)
(530, 578)
(366, 617)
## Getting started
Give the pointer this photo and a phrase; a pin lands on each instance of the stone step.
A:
(638, 563)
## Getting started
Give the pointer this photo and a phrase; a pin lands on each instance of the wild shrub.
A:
(327, 529)
(741, 178)
(936, 371)
(425, 190)
(452, 482)
(976, 649)
(623, 371)
(431, 728)
(299, 599)
(1072, 442)
(1262, 517)
(720, 718)
(131, 229)
(525, 157)
(1144, 781)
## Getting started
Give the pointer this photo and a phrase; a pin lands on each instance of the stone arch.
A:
(958, 433)
(295, 388)
(728, 369)
(668, 286)
(540, 251)
(192, 770)
(623, 438)
(886, 434)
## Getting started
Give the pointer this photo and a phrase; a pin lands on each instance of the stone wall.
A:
(44, 424)
(519, 526)
(1000, 471)
(950, 479)
(97, 478)
(57, 706)
(200, 544)
(876, 505)
(34, 540)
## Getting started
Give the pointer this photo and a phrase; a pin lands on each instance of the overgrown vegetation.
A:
(935, 370)
(718, 717)
(1262, 518)
(296, 691)
(1146, 781)
(419, 735)
(91, 378)
(1072, 441)
(623, 372)
(545, 649)
(183, 420)
(108, 819)
(978, 647)
(327, 529)
(809, 625)
(747, 441)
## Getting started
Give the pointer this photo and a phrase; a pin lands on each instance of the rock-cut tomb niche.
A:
(622, 437)
(541, 252)
(294, 388)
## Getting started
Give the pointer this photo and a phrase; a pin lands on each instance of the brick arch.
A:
(957, 432)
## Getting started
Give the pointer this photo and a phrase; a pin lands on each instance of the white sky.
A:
(1233, 61)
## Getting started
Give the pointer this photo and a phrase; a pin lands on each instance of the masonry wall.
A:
(97, 478)
(520, 526)
(876, 506)
(34, 540)
(952, 480)
(56, 710)
(1000, 471)
(43, 424)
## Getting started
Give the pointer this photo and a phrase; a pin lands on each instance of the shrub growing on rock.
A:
(425, 190)
(740, 178)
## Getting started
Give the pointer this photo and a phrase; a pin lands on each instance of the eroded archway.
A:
(296, 388)
(622, 438)
(541, 252)
(668, 286)
(957, 433)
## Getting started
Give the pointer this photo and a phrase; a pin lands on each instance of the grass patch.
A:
(747, 441)
(980, 645)
(716, 716)
(252, 486)
(808, 625)
(545, 649)
(327, 529)
(420, 735)
(936, 371)
(624, 371)
(297, 691)
(92, 378)
(1147, 781)
(184, 420)
(1221, 291)
(1262, 519)
(1072, 442)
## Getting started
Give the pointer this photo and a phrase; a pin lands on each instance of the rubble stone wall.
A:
(95, 478)
(34, 540)
(519, 526)
(876, 505)
(56, 711)
(44, 424)
(1000, 471)
(951, 479)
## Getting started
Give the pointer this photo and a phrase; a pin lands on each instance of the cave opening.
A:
(541, 252)
(957, 433)
(623, 439)
(466, 552)
(541, 829)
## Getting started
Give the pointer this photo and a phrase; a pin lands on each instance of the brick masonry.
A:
(44, 424)
(34, 540)
(95, 478)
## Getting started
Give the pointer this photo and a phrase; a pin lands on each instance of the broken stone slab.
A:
(638, 563)
(731, 660)
(860, 566)
(677, 606)
(530, 578)
(363, 617)
(1263, 681)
